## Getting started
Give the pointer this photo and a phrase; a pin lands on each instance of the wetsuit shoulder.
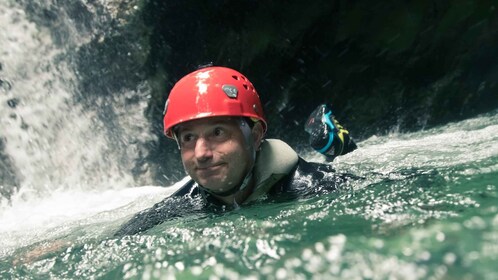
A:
(310, 178)
(183, 202)
(190, 188)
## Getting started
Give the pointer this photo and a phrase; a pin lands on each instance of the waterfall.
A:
(49, 138)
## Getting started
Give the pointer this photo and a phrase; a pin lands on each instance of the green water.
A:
(427, 209)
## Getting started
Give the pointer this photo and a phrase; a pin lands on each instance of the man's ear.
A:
(257, 134)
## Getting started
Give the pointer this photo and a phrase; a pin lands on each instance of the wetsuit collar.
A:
(275, 160)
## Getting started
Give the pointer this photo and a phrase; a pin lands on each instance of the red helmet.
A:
(212, 92)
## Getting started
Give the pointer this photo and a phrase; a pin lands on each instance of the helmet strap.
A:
(247, 133)
(176, 138)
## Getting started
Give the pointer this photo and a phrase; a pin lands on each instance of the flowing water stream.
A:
(426, 209)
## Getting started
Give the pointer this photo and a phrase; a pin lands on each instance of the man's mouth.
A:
(209, 168)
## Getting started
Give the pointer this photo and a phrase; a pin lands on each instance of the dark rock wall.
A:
(406, 65)
(383, 65)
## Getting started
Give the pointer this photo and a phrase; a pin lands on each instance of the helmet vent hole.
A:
(245, 86)
(243, 78)
(235, 77)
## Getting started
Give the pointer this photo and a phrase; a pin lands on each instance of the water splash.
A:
(50, 140)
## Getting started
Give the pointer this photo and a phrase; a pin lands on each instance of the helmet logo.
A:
(230, 90)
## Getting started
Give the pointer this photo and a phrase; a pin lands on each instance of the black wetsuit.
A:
(305, 179)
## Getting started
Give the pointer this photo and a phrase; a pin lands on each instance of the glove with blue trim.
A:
(327, 136)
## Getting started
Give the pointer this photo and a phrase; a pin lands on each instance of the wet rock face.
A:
(410, 65)
(5, 85)
(383, 66)
(12, 103)
(8, 180)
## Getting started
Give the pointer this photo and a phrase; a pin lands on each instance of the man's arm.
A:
(184, 202)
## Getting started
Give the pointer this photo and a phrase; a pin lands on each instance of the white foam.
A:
(27, 222)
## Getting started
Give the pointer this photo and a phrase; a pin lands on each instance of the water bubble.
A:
(307, 253)
(440, 272)
(440, 236)
(180, 266)
(159, 253)
(407, 251)
(210, 262)
(475, 223)
(339, 239)
(281, 273)
(319, 247)
(126, 267)
(449, 258)
(196, 270)
(314, 264)
(378, 244)
(424, 256)
(292, 263)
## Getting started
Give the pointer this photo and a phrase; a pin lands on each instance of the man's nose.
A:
(203, 149)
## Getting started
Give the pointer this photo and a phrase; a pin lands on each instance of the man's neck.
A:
(238, 197)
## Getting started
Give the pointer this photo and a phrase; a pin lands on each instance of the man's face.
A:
(215, 153)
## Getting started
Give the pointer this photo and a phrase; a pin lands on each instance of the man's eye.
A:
(219, 131)
(187, 138)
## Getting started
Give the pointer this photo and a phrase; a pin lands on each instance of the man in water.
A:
(215, 116)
